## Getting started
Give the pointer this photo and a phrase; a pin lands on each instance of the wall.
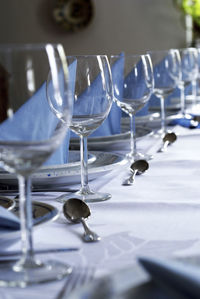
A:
(133, 26)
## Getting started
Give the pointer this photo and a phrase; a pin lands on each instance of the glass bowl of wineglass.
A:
(29, 134)
(92, 92)
(188, 75)
(134, 92)
(166, 70)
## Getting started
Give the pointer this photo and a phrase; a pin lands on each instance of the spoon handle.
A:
(89, 235)
(164, 147)
(131, 179)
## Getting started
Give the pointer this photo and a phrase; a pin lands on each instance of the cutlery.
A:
(138, 167)
(13, 255)
(168, 139)
(77, 279)
(194, 122)
(76, 210)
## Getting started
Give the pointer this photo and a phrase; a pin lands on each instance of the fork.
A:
(75, 280)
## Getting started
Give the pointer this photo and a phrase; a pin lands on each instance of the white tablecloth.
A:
(159, 215)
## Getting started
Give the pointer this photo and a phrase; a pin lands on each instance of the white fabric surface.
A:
(159, 215)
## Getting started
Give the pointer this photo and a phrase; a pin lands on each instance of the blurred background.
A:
(95, 26)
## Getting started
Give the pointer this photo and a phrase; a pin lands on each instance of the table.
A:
(157, 216)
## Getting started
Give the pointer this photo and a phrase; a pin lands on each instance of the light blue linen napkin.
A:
(29, 124)
(180, 279)
(8, 220)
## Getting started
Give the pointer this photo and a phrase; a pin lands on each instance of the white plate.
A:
(42, 213)
(69, 174)
(111, 143)
(151, 121)
(74, 158)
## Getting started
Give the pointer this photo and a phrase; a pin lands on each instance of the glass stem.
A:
(182, 96)
(162, 108)
(133, 136)
(84, 165)
(27, 260)
(194, 92)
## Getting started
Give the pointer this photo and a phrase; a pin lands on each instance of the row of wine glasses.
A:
(37, 99)
(44, 93)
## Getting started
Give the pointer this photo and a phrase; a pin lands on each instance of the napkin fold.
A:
(35, 121)
(8, 220)
(180, 279)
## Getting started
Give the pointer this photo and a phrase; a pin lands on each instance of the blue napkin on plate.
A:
(38, 114)
(178, 278)
(8, 220)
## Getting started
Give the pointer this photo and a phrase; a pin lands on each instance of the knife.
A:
(4, 255)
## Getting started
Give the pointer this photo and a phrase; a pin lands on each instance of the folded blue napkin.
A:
(8, 220)
(29, 123)
(179, 279)
(184, 122)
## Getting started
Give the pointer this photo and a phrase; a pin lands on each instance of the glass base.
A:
(87, 197)
(14, 275)
(137, 156)
(160, 133)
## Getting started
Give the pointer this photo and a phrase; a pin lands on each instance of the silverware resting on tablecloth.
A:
(194, 122)
(76, 210)
(138, 167)
(16, 254)
(168, 139)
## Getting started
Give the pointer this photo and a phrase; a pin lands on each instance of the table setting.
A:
(99, 176)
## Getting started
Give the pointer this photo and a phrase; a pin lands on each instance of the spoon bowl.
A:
(168, 139)
(138, 167)
(76, 211)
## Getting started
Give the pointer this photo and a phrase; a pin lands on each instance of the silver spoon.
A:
(194, 122)
(76, 210)
(137, 167)
(167, 140)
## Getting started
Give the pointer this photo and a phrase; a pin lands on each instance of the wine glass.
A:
(198, 80)
(91, 83)
(134, 92)
(189, 73)
(166, 70)
(29, 134)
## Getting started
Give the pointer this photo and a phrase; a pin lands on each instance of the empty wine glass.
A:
(198, 80)
(29, 134)
(133, 92)
(166, 70)
(93, 95)
(189, 73)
